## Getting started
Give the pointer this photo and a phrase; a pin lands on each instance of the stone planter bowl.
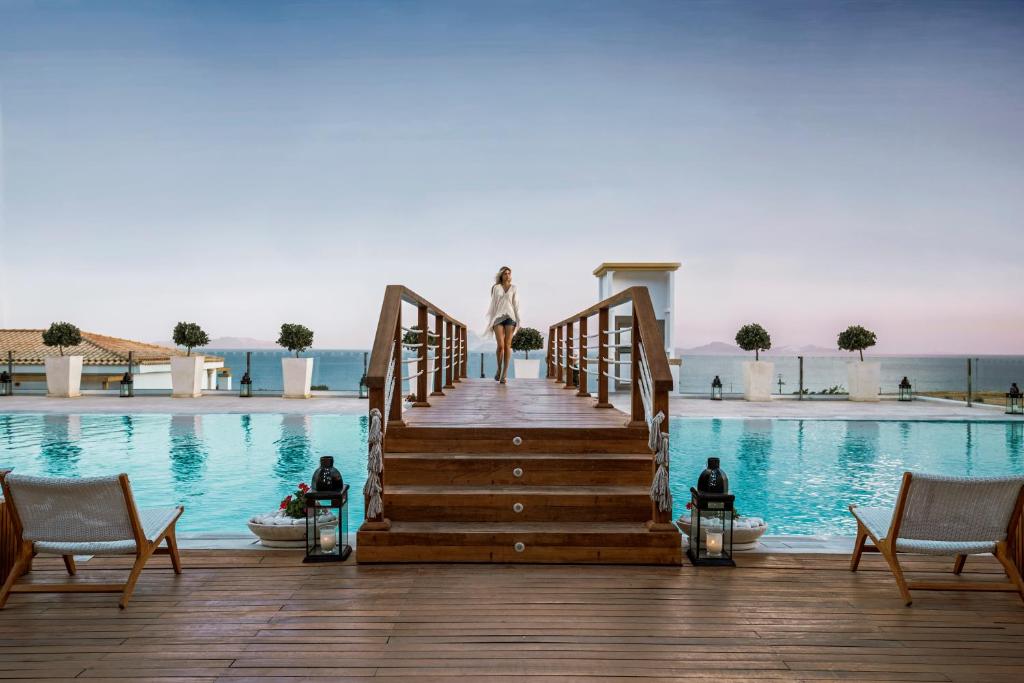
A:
(283, 535)
(743, 538)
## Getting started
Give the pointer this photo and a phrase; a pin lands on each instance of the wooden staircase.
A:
(524, 472)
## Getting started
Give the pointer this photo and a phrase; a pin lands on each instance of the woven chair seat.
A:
(877, 521)
(154, 522)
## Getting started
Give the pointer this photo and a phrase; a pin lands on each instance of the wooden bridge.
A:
(538, 470)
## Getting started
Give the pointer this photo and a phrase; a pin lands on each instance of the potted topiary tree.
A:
(864, 376)
(297, 372)
(527, 339)
(187, 370)
(757, 375)
(63, 373)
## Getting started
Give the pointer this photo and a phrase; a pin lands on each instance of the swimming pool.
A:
(798, 474)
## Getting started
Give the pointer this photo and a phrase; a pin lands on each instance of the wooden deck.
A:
(535, 403)
(265, 616)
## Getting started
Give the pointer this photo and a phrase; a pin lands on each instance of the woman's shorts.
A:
(505, 322)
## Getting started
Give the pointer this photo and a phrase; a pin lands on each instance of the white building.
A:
(660, 280)
(104, 362)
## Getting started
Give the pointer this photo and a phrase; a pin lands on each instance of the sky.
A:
(242, 164)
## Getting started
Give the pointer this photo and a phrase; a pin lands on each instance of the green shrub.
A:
(295, 337)
(189, 335)
(754, 338)
(856, 338)
(527, 339)
(62, 334)
(411, 337)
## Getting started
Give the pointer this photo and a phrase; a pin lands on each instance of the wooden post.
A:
(421, 379)
(568, 357)
(558, 354)
(637, 412)
(438, 355)
(395, 416)
(800, 396)
(602, 358)
(969, 385)
(551, 353)
(449, 355)
(582, 361)
(660, 521)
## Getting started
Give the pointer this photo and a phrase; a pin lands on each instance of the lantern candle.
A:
(714, 543)
(328, 539)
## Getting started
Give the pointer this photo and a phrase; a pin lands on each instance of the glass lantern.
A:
(1014, 404)
(327, 526)
(245, 386)
(127, 385)
(906, 391)
(716, 389)
(711, 517)
(364, 388)
(6, 384)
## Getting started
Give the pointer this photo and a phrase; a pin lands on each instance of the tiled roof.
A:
(95, 349)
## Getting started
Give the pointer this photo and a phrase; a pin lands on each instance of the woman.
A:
(503, 319)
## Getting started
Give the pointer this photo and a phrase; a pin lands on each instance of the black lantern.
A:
(711, 518)
(6, 385)
(364, 388)
(327, 526)
(906, 391)
(245, 386)
(1014, 405)
(127, 385)
(716, 389)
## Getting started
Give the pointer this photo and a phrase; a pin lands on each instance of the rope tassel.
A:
(654, 431)
(374, 466)
(660, 492)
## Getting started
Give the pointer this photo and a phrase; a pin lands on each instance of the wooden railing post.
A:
(603, 352)
(558, 354)
(636, 402)
(395, 415)
(449, 354)
(568, 357)
(582, 360)
(660, 521)
(438, 355)
(465, 354)
(551, 353)
(421, 367)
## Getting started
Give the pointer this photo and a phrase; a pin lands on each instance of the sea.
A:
(341, 370)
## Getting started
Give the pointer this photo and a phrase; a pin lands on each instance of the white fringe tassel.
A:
(374, 467)
(654, 431)
(660, 493)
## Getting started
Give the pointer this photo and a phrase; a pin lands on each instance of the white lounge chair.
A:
(87, 516)
(955, 516)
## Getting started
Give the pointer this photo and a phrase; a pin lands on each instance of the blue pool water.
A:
(798, 474)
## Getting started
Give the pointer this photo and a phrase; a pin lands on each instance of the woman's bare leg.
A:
(499, 338)
(508, 352)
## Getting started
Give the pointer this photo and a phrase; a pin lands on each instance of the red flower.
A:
(303, 487)
(284, 504)
(689, 506)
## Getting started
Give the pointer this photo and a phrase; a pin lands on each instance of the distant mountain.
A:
(713, 349)
(226, 343)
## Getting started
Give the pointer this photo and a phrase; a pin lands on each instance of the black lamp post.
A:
(711, 517)
(716, 389)
(245, 386)
(906, 391)
(127, 380)
(6, 384)
(1014, 405)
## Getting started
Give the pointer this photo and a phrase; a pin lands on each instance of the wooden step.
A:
(609, 543)
(498, 503)
(406, 439)
(533, 469)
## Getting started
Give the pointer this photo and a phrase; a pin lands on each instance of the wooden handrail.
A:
(386, 356)
(647, 398)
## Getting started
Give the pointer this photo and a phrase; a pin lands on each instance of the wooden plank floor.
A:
(263, 616)
(520, 403)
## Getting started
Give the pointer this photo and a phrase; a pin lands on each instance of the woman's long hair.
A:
(501, 271)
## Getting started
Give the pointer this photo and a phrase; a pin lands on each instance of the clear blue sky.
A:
(812, 164)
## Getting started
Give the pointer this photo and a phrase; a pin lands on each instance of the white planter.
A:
(865, 379)
(757, 380)
(745, 531)
(187, 376)
(298, 374)
(63, 376)
(526, 368)
(412, 367)
(278, 530)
